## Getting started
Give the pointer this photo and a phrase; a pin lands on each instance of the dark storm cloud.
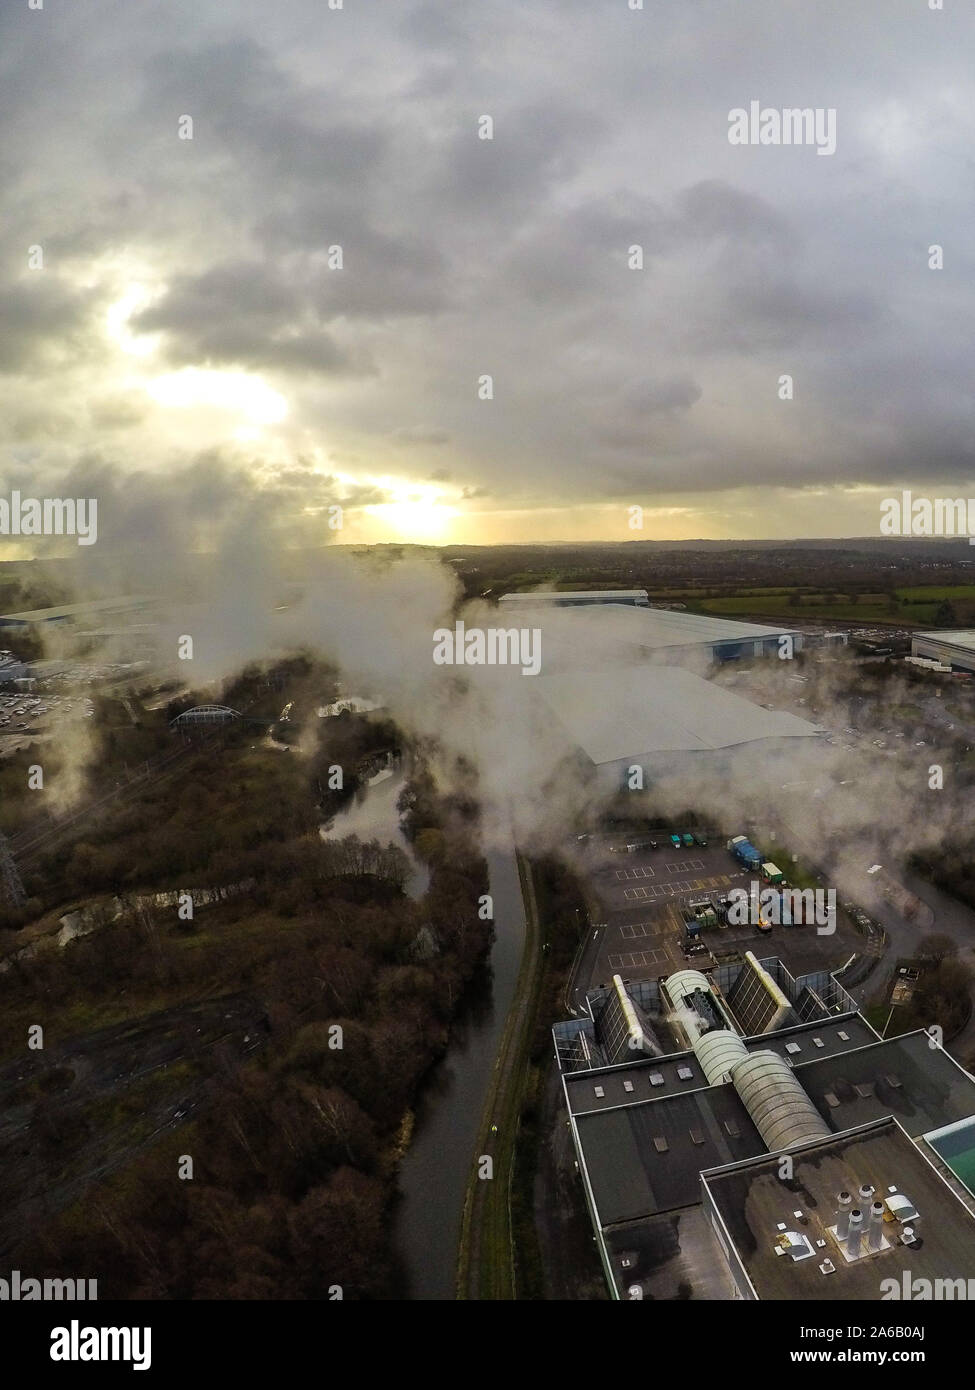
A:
(245, 314)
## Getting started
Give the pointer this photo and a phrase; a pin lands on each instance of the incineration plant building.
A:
(684, 1093)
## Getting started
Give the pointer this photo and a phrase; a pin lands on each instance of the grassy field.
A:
(870, 608)
(938, 593)
(911, 606)
(919, 606)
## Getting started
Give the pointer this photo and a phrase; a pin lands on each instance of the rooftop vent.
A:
(794, 1244)
(827, 1267)
(902, 1208)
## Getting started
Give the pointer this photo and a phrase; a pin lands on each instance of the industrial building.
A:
(684, 1093)
(11, 668)
(862, 1208)
(588, 637)
(576, 598)
(954, 650)
(655, 716)
(73, 613)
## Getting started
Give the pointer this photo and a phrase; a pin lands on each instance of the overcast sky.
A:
(186, 318)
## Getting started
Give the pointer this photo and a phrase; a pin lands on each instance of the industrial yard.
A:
(643, 896)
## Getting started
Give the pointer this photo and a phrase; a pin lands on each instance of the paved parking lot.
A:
(640, 895)
(640, 929)
(676, 888)
(636, 960)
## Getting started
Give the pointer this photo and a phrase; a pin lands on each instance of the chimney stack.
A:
(875, 1231)
(856, 1233)
(843, 1204)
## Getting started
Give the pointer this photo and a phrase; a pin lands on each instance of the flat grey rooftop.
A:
(663, 1252)
(905, 1077)
(754, 1200)
(648, 628)
(76, 610)
(570, 596)
(817, 1041)
(962, 638)
(798, 1045)
(646, 1159)
(582, 1087)
(630, 711)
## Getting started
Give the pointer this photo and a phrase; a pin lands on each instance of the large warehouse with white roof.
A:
(954, 649)
(613, 632)
(651, 714)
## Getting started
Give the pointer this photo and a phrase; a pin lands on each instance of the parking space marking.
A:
(634, 959)
(667, 888)
(632, 930)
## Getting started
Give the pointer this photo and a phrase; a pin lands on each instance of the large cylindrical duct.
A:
(718, 1052)
(684, 983)
(781, 1111)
